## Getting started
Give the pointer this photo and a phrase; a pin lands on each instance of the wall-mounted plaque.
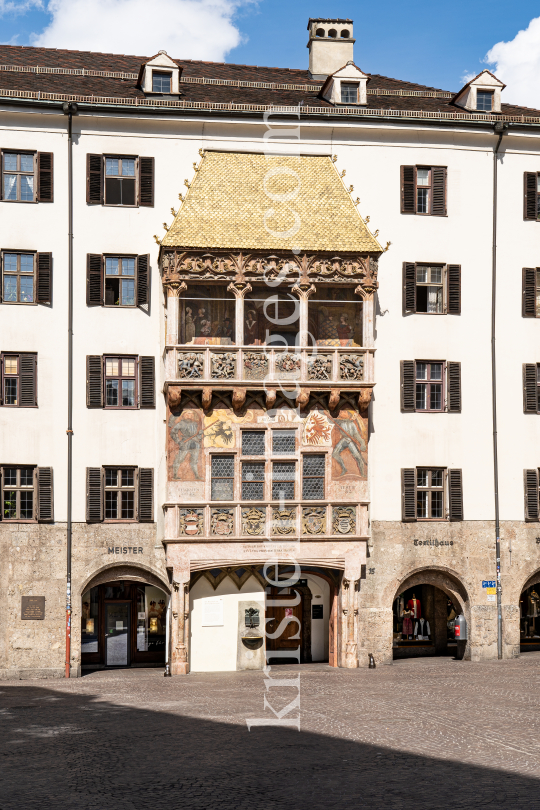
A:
(212, 611)
(33, 607)
(317, 611)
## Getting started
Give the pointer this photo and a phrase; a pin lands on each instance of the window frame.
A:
(430, 488)
(161, 73)
(120, 377)
(428, 382)
(324, 476)
(19, 173)
(213, 477)
(355, 85)
(294, 464)
(119, 489)
(120, 257)
(18, 274)
(443, 285)
(484, 93)
(18, 488)
(10, 376)
(135, 177)
(428, 187)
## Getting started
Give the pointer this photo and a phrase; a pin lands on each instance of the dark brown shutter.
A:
(44, 278)
(453, 384)
(1, 383)
(94, 179)
(408, 494)
(147, 382)
(438, 184)
(409, 287)
(45, 176)
(45, 501)
(94, 495)
(530, 208)
(28, 380)
(94, 381)
(1, 279)
(530, 479)
(529, 292)
(530, 388)
(408, 190)
(2, 176)
(455, 495)
(408, 399)
(146, 181)
(94, 279)
(454, 289)
(143, 278)
(146, 495)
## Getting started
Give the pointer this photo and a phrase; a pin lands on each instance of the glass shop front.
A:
(423, 622)
(123, 624)
(529, 619)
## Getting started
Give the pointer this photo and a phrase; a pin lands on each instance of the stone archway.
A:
(118, 571)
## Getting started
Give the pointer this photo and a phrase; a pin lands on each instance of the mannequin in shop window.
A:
(407, 624)
(533, 612)
(414, 606)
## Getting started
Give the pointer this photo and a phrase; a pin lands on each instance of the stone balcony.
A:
(219, 366)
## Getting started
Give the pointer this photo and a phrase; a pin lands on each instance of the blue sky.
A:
(431, 43)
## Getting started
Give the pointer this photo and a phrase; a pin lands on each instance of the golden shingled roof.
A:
(245, 201)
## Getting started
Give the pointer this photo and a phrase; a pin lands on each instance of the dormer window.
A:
(349, 93)
(484, 100)
(161, 82)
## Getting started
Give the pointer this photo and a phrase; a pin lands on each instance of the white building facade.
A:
(423, 546)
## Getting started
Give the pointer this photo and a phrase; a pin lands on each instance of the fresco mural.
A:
(218, 427)
(185, 445)
(264, 307)
(349, 440)
(336, 319)
(207, 316)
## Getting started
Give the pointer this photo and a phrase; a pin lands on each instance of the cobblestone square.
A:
(422, 734)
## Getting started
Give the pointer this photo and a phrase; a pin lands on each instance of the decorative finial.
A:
(387, 246)
(195, 167)
(187, 183)
(367, 219)
(173, 212)
(181, 197)
(334, 158)
(357, 201)
(165, 226)
(158, 240)
(376, 233)
(351, 189)
(344, 172)
(201, 152)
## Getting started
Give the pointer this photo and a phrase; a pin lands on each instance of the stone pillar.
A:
(350, 595)
(303, 289)
(180, 642)
(440, 618)
(174, 289)
(239, 288)
(368, 321)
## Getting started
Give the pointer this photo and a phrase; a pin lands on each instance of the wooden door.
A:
(285, 620)
(332, 629)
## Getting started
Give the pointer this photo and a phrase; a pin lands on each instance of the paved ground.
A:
(420, 735)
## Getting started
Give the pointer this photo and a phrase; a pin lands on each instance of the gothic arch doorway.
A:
(529, 615)
(124, 621)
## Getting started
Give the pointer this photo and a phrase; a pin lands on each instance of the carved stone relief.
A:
(320, 368)
(344, 519)
(284, 521)
(191, 522)
(351, 367)
(255, 366)
(314, 520)
(288, 365)
(222, 522)
(223, 365)
(190, 365)
(253, 521)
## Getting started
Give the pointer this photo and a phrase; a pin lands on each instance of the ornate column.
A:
(174, 289)
(367, 291)
(180, 608)
(350, 594)
(239, 287)
(303, 289)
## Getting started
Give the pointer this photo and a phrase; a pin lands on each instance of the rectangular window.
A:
(18, 177)
(423, 190)
(349, 93)
(253, 480)
(430, 288)
(161, 82)
(222, 478)
(119, 494)
(313, 477)
(429, 386)
(253, 442)
(120, 281)
(430, 494)
(283, 478)
(18, 278)
(19, 379)
(120, 181)
(484, 100)
(18, 493)
(283, 442)
(11, 379)
(120, 382)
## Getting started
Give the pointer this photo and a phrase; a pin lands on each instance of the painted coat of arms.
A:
(317, 430)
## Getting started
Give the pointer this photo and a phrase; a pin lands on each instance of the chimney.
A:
(331, 46)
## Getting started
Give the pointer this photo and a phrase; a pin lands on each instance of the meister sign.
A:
(33, 607)
(125, 549)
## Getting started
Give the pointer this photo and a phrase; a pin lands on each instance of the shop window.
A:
(529, 618)
(207, 316)
(434, 289)
(18, 374)
(222, 478)
(120, 382)
(335, 317)
(423, 621)
(89, 621)
(151, 619)
(271, 317)
(313, 475)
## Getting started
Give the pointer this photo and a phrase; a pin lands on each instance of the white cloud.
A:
(517, 64)
(16, 7)
(186, 29)
(466, 77)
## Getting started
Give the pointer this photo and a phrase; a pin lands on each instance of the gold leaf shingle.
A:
(245, 201)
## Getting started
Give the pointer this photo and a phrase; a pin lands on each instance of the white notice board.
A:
(212, 611)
